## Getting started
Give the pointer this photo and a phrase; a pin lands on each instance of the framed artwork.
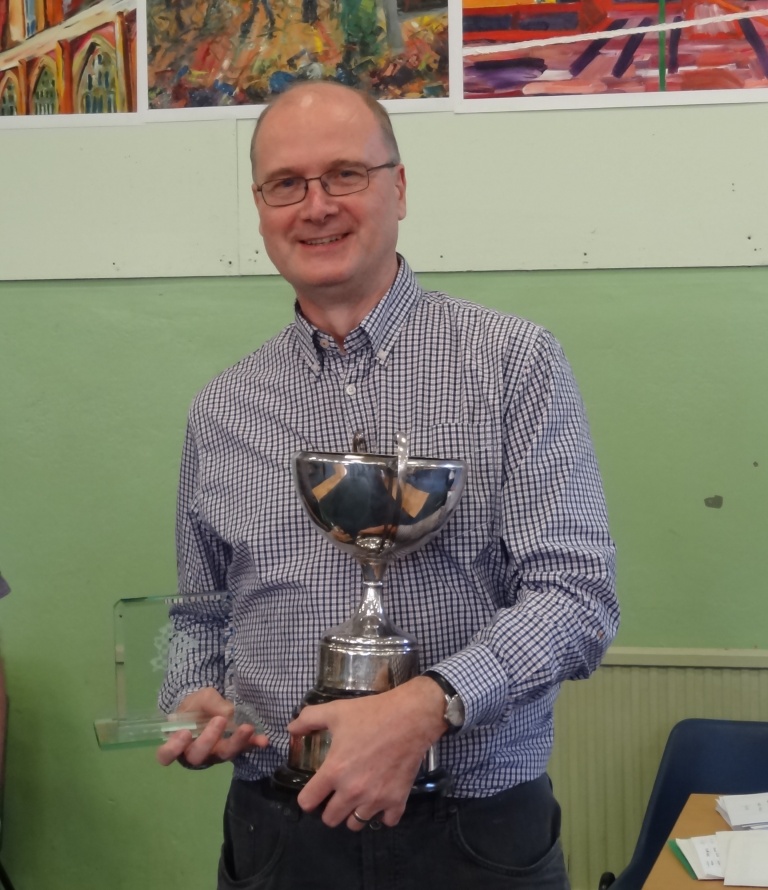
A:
(227, 55)
(596, 52)
(67, 61)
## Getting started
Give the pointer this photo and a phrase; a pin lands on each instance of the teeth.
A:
(324, 240)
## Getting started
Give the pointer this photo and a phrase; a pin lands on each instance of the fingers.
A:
(358, 818)
(195, 751)
(337, 794)
(310, 719)
(358, 822)
(355, 800)
(213, 745)
(372, 762)
(338, 804)
(390, 818)
(217, 741)
(167, 753)
(243, 738)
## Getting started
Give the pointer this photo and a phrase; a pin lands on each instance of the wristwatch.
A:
(454, 706)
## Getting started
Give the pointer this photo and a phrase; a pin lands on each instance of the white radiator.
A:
(610, 732)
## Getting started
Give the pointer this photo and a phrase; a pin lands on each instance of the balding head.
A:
(304, 89)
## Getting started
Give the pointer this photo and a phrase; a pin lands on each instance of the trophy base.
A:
(435, 782)
(290, 779)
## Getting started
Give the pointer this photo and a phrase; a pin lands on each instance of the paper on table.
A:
(724, 845)
(744, 810)
(702, 855)
(747, 862)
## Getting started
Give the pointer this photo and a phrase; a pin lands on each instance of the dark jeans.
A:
(509, 840)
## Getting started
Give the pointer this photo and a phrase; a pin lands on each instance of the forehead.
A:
(319, 124)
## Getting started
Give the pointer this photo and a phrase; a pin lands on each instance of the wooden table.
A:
(698, 817)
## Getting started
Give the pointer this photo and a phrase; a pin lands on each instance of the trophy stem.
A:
(371, 609)
(373, 570)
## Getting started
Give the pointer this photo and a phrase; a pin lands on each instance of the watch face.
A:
(454, 710)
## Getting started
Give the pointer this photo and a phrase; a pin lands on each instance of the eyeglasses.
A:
(344, 180)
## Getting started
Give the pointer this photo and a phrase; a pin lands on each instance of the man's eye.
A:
(284, 185)
(346, 178)
(349, 174)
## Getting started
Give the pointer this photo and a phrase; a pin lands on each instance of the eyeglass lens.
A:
(342, 181)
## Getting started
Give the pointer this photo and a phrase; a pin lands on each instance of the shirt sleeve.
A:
(200, 618)
(560, 559)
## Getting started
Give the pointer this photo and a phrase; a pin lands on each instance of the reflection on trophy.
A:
(373, 507)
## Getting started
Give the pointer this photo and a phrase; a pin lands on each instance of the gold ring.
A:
(359, 818)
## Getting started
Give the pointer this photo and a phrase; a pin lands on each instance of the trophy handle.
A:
(397, 486)
(401, 442)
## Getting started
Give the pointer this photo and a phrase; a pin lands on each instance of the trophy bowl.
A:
(373, 507)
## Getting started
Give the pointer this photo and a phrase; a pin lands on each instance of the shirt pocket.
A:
(478, 445)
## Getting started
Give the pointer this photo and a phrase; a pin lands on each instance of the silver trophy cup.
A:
(374, 507)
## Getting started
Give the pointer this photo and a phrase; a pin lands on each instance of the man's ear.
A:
(255, 193)
(400, 185)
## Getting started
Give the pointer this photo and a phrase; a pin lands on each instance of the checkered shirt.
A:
(515, 595)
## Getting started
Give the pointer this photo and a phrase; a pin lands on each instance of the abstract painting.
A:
(229, 53)
(610, 48)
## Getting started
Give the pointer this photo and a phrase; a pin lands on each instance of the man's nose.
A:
(317, 203)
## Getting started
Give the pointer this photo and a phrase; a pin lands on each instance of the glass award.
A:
(144, 641)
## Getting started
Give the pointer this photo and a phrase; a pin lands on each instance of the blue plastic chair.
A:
(700, 757)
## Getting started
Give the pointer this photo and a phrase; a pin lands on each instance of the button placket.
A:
(354, 388)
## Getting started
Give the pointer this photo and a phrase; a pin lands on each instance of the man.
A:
(514, 596)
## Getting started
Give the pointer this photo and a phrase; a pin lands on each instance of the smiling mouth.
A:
(318, 242)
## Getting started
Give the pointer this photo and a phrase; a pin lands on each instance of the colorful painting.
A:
(225, 53)
(67, 57)
(612, 48)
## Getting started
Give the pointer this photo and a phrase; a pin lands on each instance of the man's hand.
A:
(210, 746)
(378, 743)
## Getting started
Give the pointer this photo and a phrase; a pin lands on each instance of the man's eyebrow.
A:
(283, 172)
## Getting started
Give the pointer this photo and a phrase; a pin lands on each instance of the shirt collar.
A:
(378, 330)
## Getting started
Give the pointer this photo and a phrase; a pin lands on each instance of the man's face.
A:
(329, 248)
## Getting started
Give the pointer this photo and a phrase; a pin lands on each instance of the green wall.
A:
(95, 380)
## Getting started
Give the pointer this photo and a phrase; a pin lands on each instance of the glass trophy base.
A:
(154, 729)
(145, 643)
(121, 732)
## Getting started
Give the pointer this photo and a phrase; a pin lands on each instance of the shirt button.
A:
(324, 343)
(351, 389)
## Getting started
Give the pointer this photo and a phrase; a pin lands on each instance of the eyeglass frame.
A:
(308, 179)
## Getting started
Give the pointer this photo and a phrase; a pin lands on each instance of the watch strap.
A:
(454, 706)
(447, 688)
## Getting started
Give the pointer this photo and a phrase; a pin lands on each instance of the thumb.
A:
(207, 703)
